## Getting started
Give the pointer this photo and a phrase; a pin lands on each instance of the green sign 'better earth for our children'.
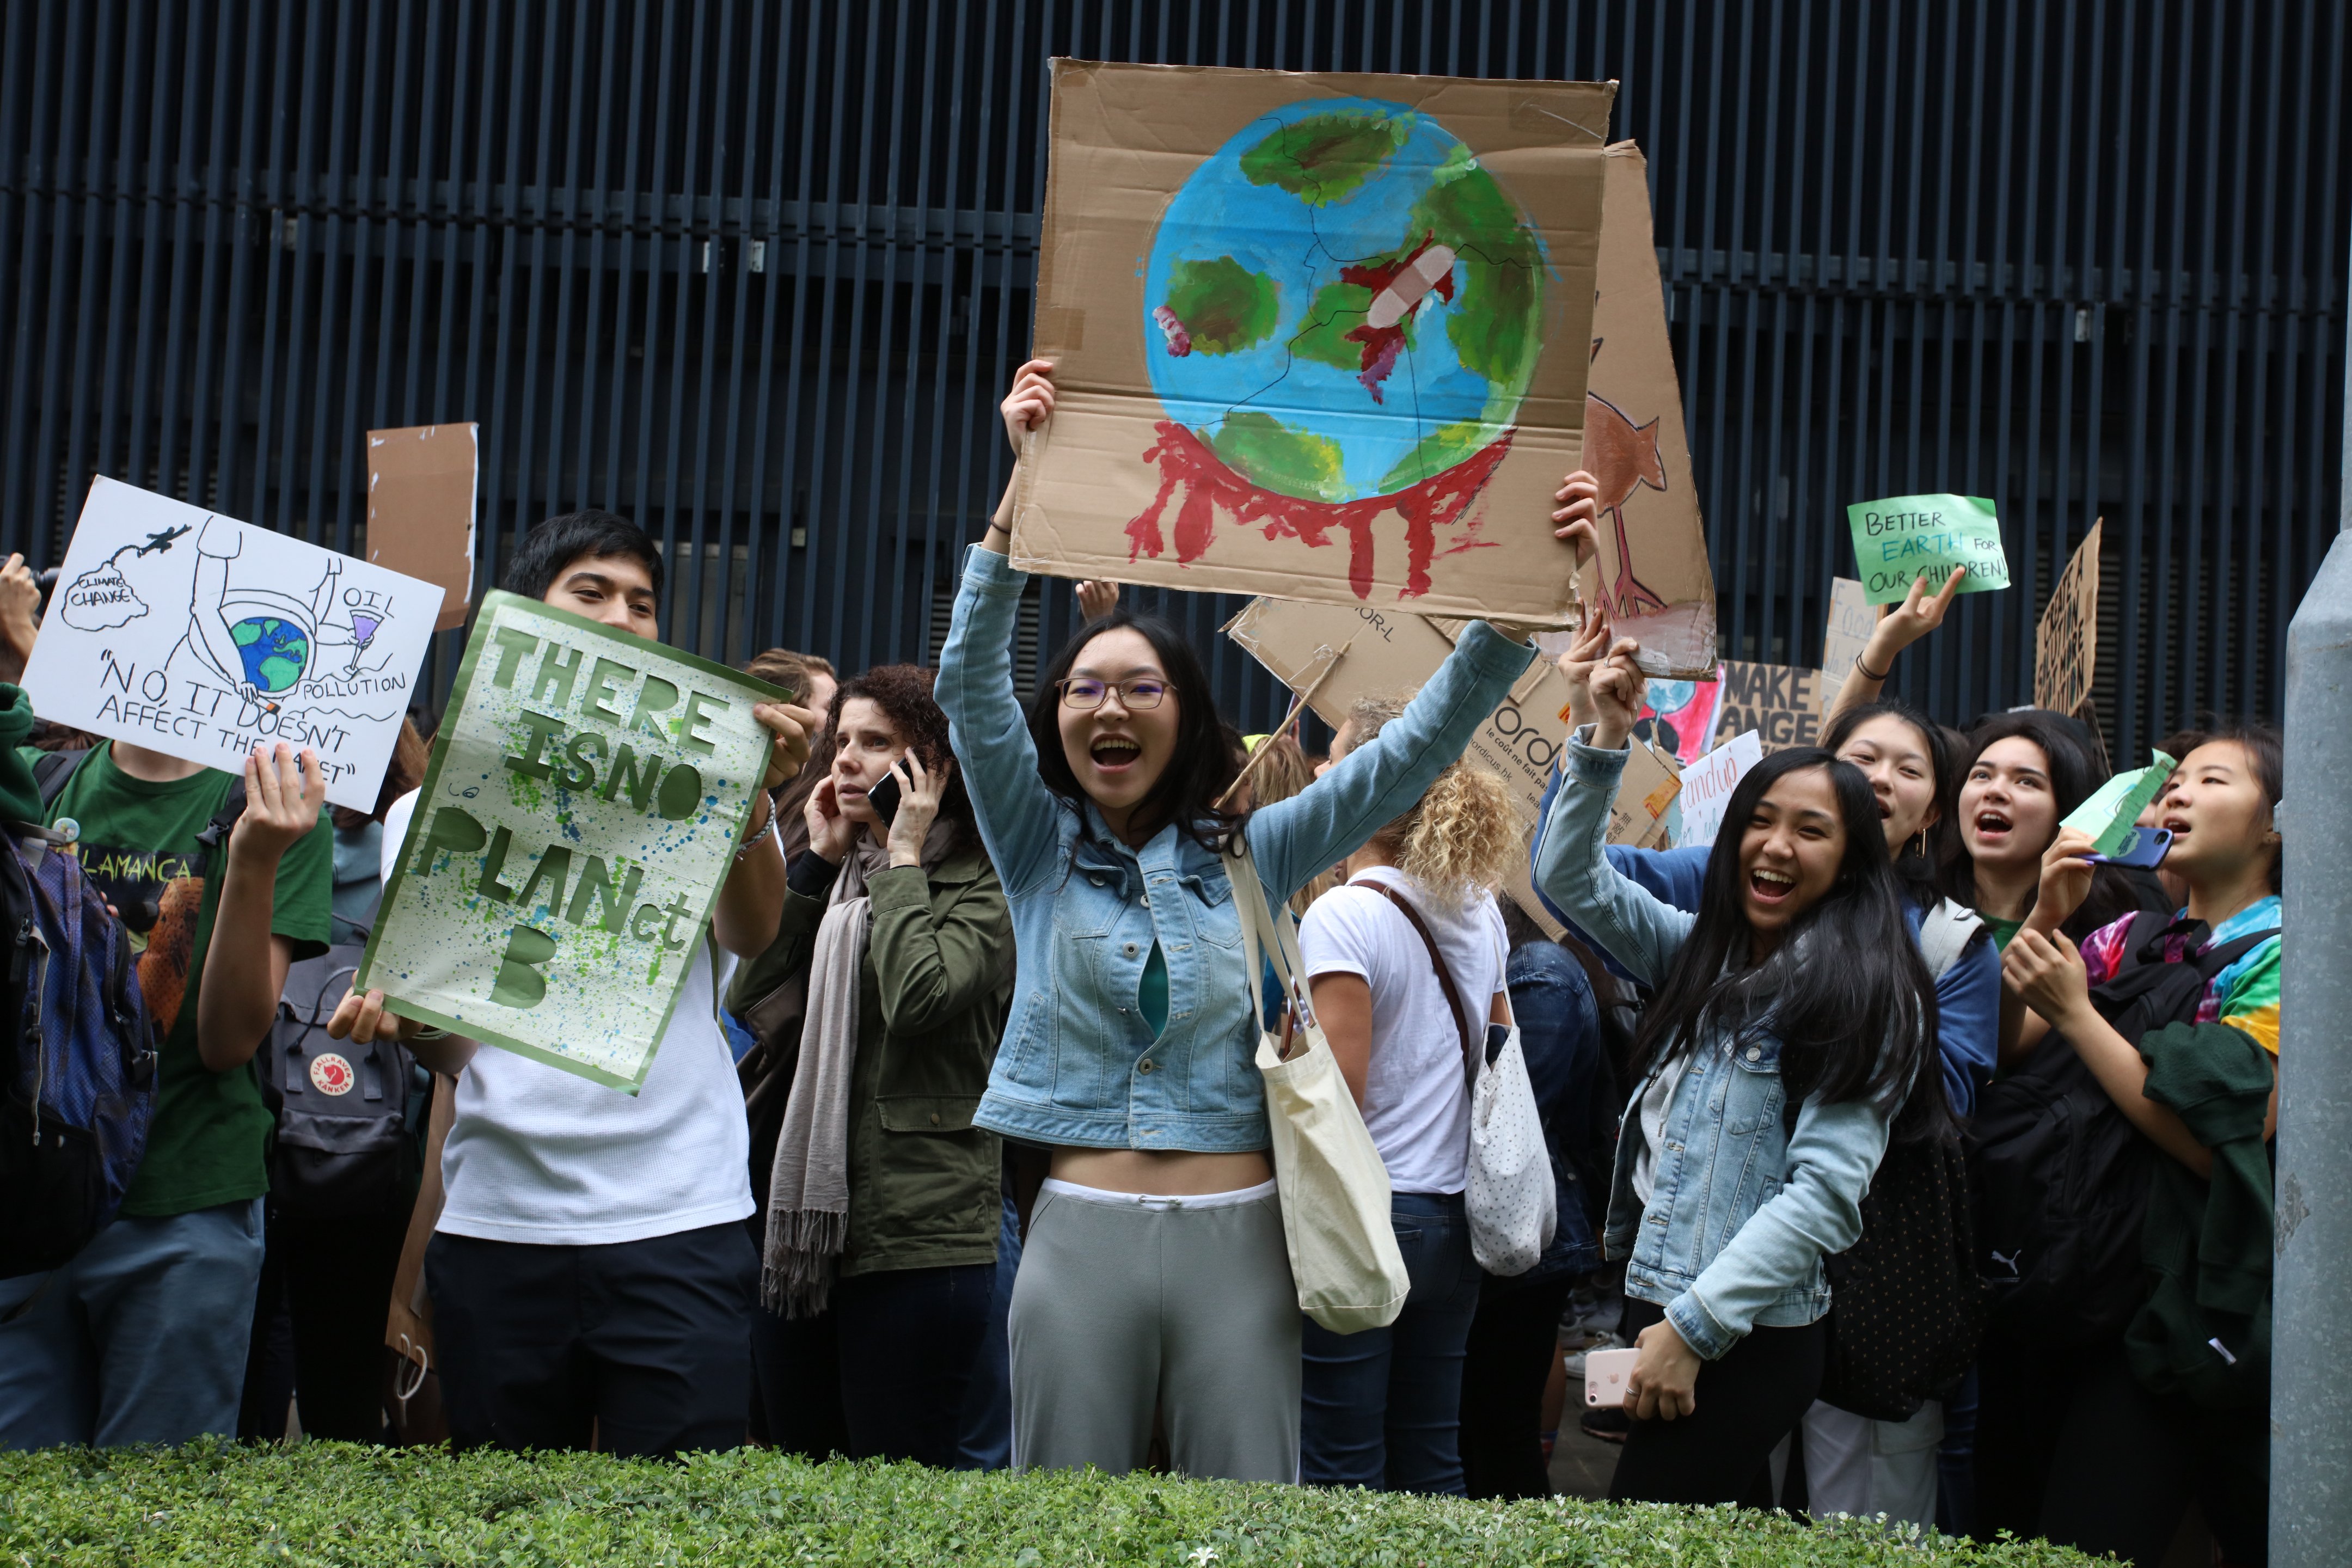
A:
(1908, 537)
(581, 811)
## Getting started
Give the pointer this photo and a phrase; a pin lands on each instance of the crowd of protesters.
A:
(956, 1149)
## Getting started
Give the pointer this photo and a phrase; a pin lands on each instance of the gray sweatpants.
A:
(1124, 1305)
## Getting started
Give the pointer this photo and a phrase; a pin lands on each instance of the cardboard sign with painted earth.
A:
(1343, 306)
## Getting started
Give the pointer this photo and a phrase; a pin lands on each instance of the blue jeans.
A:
(987, 1440)
(141, 1339)
(1383, 1408)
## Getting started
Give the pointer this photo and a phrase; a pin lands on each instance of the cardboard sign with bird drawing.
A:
(1653, 573)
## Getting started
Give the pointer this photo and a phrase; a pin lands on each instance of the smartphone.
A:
(2145, 848)
(1605, 1375)
(884, 798)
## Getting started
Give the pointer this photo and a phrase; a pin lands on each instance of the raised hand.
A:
(1619, 687)
(1584, 655)
(1030, 403)
(2048, 971)
(1097, 599)
(1577, 520)
(283, 793)
(920, 793)
(2065, 881)
(793, 728)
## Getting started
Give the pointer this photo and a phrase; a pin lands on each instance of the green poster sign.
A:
(1907, 537)
(582, 809)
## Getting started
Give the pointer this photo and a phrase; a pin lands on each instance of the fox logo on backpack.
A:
(2061, 1175)
(81, 1084)
(343, 1145)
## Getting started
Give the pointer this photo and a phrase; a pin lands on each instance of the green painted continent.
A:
(1224, 305)
(1438, 451)
(1496, 322)
(1324, 158)
(1338, 310)
(1290, 462)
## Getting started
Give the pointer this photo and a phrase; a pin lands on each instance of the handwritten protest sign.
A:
(581, 809)
(420, 509)
(1707, 785)
(198, 636)
(1315, 334)
(2066, 638)
(1782, 705)
(1370, 652)
(1907, 537)
(1852, 618)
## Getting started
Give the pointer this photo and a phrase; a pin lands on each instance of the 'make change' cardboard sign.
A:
(581, 809)
(1320, 335)
(200, 637)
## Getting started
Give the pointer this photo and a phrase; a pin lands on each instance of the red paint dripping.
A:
(1442, 500)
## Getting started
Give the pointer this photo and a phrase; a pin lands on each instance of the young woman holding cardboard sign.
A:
(1157, 1271)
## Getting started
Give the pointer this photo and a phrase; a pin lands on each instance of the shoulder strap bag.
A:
(1513, 1200)
(1344, 1259)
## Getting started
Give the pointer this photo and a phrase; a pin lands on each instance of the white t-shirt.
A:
(537, 1154)
(1416, 1103)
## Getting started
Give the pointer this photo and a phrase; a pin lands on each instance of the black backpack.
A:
(343, 1147)
(2060, 1173)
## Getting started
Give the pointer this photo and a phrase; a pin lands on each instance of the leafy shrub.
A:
(331, 1503)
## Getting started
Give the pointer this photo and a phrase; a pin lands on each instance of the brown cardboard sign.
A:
(2066, 638)
(1370, 652)
(1783, 705)
(1652, 570)
(1320, 335)
(1852, 619)
(421, 508)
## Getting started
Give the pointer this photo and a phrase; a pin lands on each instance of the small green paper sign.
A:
(1907, 537)
(2112, 809)
(578, 815)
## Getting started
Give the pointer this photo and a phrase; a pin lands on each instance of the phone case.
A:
(1605, 1374)
(2145, 848)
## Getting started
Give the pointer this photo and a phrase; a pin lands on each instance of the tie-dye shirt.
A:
(2246, 994)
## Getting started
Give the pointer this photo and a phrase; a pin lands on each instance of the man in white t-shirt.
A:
(590, 1271)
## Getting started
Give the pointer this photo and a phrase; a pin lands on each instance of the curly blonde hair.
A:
(1458, 841)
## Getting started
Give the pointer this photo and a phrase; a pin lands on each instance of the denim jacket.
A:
(1741, 1212)
(1078, 1065)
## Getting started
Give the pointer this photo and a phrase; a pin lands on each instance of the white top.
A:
(537, 1155)
(1416, 1103)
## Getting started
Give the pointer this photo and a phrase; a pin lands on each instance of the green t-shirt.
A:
(138, 845)
(2003, 930)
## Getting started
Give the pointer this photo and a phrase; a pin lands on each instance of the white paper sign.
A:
(1707, 785)
(197, 636)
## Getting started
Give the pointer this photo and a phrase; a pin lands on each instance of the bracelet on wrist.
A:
(1869, 674)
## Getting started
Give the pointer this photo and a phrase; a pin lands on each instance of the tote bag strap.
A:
(1437, 961)
(1265, 939)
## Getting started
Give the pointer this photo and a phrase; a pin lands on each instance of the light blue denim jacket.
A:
(1078, 1065)
(1741, 1212)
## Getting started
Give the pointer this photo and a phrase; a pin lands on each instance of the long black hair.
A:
(2072, 773)
(1845, 990)
(1919, 861)
(1202, 766)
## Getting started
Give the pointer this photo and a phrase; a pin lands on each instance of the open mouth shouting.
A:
(1769, 887)
(1992, 828)
(1114, 754)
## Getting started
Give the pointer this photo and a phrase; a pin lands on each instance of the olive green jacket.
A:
(934, 986)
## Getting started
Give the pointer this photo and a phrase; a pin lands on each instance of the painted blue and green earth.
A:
(1342, 304)
(275, 651)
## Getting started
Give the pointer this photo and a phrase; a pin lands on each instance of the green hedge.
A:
(329, 1503)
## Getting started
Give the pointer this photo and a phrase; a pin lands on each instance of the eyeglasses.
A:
(1084, 692)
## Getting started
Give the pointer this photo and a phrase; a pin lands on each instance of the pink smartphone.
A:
(1605, 1375)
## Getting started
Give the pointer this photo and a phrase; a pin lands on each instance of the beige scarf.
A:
(808, 1189)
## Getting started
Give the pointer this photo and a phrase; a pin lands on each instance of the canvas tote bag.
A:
(1512, 1202)
(1335, 1192)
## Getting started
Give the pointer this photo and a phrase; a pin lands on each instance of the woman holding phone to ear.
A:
(1782, 990)
(883, 1213)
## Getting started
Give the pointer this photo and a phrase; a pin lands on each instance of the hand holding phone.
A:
(882, 800)
(2142, 846)
(1606, 1372)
